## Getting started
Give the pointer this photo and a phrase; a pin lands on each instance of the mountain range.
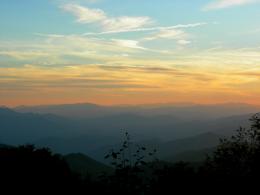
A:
(93, 129)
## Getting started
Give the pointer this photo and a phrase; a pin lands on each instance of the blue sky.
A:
(198, 42)
(22, 19)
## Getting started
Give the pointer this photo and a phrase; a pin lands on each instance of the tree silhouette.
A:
(26, 167)
(131, 166)
(236, 160)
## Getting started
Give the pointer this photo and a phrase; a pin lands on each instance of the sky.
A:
(129, 51)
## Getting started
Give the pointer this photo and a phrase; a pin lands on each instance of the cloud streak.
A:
(157, 28)
(86, 15)
(221, 4)
(114, 25)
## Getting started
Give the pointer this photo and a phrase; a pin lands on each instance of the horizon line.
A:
(131, 105)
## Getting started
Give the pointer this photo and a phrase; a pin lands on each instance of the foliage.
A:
(238, 156)
(131, 167)
(130, 155)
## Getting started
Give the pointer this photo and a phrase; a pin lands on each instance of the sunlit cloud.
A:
(87, 15)
(125, 23)
(168, 34)
(127, 78)
(140, 56)
(84, 14)
(220, 4)
(23, 55)
(183, 42)
(128, 43)
(157, 28)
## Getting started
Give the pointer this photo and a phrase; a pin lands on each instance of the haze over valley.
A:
(94, 129)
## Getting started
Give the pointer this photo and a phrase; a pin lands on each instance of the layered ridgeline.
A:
(180, 111)
(174, 130)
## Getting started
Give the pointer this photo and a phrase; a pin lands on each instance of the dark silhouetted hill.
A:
(26, 168)
(193, 156)
(85, 165)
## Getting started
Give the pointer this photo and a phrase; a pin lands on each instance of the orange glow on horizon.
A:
(32, 85)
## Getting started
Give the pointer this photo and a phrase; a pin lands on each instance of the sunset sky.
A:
(129, 51)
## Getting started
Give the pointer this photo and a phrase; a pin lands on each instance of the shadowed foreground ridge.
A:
(26, 167)
(235, 164)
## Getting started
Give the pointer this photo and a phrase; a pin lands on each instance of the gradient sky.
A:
(129, 51)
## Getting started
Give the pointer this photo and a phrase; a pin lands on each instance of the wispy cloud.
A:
(84, 14)
(168, 34)
(107, 23)
(220, 4)
(156, 28)
(24, 55)
(180, 36)
(128, 43)
(125, 23)
(183, 42)
(122, 24)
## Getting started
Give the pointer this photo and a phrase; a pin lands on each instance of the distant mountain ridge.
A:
(199, 142)
(18, 128)
(184, 111)
(95, 135)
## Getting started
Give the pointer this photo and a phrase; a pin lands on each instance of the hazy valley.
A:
(174, 130)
